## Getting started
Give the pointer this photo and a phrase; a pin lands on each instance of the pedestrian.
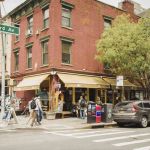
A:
(32, 112)
(82, 104)
(32, 106)
(38, 109)
(10, 111)
(99, 102)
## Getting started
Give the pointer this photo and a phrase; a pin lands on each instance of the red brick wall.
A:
(87, 26)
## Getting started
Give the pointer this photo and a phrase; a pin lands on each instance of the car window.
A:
(124, 104)
(140, 105)
(146, 105)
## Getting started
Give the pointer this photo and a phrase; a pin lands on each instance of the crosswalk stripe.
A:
(7, 130)
(75, 134)
(143, 148)
(87, 136)
(72, 131)
(132, 142)
(120, 137)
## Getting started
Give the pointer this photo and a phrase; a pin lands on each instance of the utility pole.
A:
(3, 69)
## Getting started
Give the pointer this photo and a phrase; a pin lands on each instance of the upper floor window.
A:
(16, 60)
(66, 52)
(107, 22)
(29, 57)
(46, 17)
(44, 52)
(30, 25)
(17, 36)
(66, 17)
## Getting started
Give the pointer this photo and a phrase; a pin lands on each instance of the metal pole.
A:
(3, 77)
(3, 71)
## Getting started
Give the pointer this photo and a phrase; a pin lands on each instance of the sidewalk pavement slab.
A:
(55, 124)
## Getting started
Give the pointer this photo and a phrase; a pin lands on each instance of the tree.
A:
(126, 48)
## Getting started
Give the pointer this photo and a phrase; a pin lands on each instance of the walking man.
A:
(82, 104)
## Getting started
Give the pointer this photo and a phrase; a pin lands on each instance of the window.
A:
(46, 17)
(107, 65)
(45, 52)
(16, 61)
(30, 25)
(17, 36)
(107, 22)
(29, 57)
(66, 17)
(146, 105)
(66, 52)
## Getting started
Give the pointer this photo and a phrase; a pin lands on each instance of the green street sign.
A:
(9, 29)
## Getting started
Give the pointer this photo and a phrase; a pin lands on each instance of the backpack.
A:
(82, 103)
(33, 104)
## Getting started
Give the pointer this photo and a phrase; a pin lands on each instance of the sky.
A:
(9, 5)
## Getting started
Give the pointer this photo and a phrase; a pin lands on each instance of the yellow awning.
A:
(82, 81)
(112, 81)
(31, 82)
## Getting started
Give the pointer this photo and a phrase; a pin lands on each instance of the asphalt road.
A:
(128, 138)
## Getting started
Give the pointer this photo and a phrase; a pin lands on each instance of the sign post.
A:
(119, 82)
(5, 29)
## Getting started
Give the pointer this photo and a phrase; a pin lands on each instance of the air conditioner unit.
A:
(37, 32)
(29, 32)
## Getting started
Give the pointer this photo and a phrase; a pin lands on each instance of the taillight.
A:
(134, 108)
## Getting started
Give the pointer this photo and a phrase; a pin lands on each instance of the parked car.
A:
(137, 112)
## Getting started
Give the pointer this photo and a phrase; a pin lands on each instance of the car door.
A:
(147, 109)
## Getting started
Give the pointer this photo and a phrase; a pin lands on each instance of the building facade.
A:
(54, 55)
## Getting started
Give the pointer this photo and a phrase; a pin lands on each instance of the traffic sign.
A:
(9, 29)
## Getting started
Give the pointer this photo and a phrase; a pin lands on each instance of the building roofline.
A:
(110, 5)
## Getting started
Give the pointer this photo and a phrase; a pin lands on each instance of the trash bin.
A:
(91, 112)
(107, 113)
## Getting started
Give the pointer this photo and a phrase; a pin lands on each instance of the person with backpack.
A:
(38, 110)
(32, 106)
(82, 104)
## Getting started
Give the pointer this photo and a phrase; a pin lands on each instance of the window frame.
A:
(45, 52)
(29, 58)
(16, 61)
(70, 51)
(30, 24)
(69, 19)
(107, 20)
(17, 37)
(46, 19)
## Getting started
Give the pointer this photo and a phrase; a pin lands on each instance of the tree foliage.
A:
(126, 47)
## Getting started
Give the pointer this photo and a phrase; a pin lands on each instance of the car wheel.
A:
(144, 122)
(120, 124)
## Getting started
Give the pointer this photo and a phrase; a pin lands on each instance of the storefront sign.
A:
(119, 81)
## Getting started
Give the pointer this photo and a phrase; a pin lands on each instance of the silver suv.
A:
(137, 112)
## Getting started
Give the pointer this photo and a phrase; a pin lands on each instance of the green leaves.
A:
(126, 47)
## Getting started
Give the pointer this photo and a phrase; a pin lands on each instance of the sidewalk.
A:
(55, 124)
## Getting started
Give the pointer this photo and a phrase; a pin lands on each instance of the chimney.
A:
(128, 6)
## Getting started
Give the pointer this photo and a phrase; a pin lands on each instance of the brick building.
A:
(55, 52)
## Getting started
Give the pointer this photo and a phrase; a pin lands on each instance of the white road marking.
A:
(7, 130)
(63, 133)
(132, 142)
(87, 136)
(143, 148)
(121, 137)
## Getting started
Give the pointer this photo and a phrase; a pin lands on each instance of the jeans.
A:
(39, 115)
(82, 113)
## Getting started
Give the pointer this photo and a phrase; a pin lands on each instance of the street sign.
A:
(119, 81)
(9, 29)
